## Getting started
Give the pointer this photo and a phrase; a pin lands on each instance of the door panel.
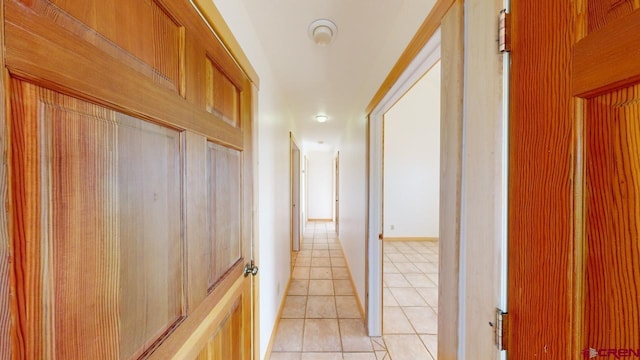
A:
(574, 200)
(612, 307)
(223, 209)
(105, 196)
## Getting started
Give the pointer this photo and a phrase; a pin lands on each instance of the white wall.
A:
(272, 173)
(352, 188)
(412, 161)
(320, 184)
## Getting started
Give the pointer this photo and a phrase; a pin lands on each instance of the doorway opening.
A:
(296, 216)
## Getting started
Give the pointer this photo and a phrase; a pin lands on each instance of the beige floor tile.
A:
(294, 307)
(321, 335)
(321, 307)
(303, 261)
(320, 253)
(321, 287)
(423, 319)
(408, 297)
(285, 356)
(395, 322)
(347, 307)
(407, 268)
(298, 287)
(431, 342)
(321, 262)
(382, 355)
(430, 295)
(389, 268)
(321, 356)
(336, 253)
(320, 273)
(354, 335)
(340, 273)
(319, 246)
(343, 287)
(378, 343)
(397, 258)
(406, 347)
(300, 272)
(388, 299)
(304, 253)
(434, 278)
(359, 356)
(395, 280)
(335, 246)
(289, 335)
(338, 262)
(429, 268)
(418, 280)
(414, 258)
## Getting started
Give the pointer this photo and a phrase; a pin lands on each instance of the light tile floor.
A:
(321, 319)
(410, 299)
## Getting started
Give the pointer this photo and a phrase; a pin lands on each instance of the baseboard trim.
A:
(392, 239)
(320, 220)
(272, 339)
(353, 286)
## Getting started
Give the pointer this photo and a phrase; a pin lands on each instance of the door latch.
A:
(250, 268)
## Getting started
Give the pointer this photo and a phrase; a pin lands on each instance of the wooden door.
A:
(574, 279)
(130, 184)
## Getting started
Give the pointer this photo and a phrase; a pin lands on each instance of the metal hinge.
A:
(501, 327)
(504, 32)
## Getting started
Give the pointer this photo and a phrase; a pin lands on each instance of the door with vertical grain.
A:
(606, 76)
(129, 140)
(574, 243)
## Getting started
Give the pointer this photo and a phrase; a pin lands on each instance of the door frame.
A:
(473, 175)
(426, 58)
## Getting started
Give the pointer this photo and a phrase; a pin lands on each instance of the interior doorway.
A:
(425, 60)
(295, 194)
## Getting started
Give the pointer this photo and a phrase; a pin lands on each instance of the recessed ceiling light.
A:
(322, 31)
(321, 118)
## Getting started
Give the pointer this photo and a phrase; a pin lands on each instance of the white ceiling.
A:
(340, 79)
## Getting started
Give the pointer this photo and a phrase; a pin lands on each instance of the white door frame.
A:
(426, 58)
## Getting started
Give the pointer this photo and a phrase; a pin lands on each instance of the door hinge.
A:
(504, 32)
(501, 327)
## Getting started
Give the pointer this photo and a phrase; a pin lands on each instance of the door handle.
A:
(250, 268)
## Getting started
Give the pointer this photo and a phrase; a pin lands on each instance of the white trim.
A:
(426, 58)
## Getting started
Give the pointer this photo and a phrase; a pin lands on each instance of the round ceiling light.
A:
(321, 118)
(322, 31)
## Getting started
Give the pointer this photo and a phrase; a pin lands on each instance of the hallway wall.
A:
(271, 171)
(353, 159)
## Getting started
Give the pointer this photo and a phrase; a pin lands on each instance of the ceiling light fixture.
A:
(322, 31)
(321, 118)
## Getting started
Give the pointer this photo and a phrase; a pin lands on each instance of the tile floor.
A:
(410, 299)
(321, 319)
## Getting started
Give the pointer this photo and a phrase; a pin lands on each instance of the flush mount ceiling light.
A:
(321, 118)
(322, 31)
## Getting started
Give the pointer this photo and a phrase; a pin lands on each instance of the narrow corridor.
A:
(321, 319)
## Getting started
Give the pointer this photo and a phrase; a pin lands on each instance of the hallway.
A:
(321, 318)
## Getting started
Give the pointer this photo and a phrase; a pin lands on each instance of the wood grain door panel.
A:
(612, 302)
(102, 227)
(574, 197)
